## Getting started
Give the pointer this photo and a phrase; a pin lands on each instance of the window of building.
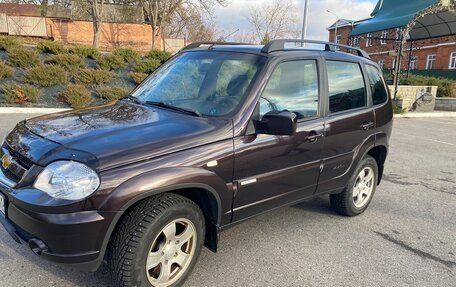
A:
(293, 86)
(369, 40)
(381, 63)
(398, 34)
(378, 88)
(430, 62)
(338, 40)
(452, 61)
(384, 37)
(355, 41)
(346, 86)
(413, 63)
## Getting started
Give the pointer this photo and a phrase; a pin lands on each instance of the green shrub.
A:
(160, 55)
(86, 52)
(146, 65)
(69, 62)
(92, 77)
(446, 87)
(110, 62)
(77, 96)
(137, 77)
(5, 70)
(23, 57)
(112, 94)
(127, 54)
(15, 94)
(46, 76)
(51, 47)
(7, 43)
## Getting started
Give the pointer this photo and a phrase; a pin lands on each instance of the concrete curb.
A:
(427, 115)
(13, 110)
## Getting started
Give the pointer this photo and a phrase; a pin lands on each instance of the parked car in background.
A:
(218, 134)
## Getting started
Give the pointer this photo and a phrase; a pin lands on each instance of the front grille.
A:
(9, 175)
(22, 160)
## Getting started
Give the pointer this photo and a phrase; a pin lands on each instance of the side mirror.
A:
(277, 123)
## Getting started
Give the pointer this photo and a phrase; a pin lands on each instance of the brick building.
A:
(381, 38)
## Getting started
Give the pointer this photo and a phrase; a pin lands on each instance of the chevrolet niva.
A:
(218, 134)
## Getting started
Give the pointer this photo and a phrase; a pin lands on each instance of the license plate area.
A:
(2, 205)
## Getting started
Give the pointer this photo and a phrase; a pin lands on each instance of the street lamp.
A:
(337, 22)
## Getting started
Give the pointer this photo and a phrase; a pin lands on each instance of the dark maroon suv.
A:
(218, 134)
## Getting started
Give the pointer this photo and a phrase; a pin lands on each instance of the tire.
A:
(144, 236)
(351, 202)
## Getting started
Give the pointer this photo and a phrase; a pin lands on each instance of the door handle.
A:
(314, 137)
(367, 125)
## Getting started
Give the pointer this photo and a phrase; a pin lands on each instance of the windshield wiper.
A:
(131, 98)
(171, 107)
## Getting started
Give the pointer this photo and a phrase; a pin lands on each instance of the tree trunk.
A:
(96, 34)
(153, 36)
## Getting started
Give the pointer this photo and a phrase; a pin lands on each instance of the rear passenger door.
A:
(349, 122)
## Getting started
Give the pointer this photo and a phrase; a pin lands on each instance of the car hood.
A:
(124, 132)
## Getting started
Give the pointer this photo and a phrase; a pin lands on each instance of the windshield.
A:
(207, 83)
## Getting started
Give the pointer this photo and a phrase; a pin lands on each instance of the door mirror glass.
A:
(280, 123)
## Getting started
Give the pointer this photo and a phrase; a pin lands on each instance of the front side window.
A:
(293, 86)
(381, 63)
(378, 88)
(338, 40)
(453, 61)
(210, 83)
(346, 86)
(430, 62)
(413, 63)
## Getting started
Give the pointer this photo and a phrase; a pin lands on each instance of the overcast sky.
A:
(232, 17)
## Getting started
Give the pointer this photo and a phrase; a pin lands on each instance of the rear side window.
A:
(379, 93)
(346, 86)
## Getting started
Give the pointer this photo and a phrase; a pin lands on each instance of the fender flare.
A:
(158, 181)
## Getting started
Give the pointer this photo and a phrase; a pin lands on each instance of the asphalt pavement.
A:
(407, 237)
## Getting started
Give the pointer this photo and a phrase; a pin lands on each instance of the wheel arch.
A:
(203, 187)
(379, 153)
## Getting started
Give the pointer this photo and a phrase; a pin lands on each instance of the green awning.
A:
(432, 18)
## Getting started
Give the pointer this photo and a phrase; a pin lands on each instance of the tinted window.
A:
(346, 86)
(293, 86)
(379, 93)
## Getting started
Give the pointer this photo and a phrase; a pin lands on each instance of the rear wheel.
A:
(361, 188)
(157, 242)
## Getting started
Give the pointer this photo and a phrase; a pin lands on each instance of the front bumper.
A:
(77, 238)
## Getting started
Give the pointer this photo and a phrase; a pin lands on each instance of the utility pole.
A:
(304, 22)
(337, 22)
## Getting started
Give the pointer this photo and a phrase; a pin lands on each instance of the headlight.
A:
(68, 180)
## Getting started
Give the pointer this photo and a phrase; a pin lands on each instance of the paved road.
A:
(406, 238)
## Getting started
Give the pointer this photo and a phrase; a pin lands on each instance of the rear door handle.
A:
(367, 125)
(314, 137)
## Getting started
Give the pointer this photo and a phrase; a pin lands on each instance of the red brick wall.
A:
(443, 47)
(113, 35)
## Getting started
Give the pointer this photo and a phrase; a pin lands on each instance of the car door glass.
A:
(379, 93)
(293, 86)
(346, 86)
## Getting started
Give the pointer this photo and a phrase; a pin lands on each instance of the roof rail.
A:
(210, 44)
(279, 45)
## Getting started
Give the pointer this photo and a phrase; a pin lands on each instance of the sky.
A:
(232, 17)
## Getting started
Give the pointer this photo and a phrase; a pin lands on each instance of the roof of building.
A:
(429, 18)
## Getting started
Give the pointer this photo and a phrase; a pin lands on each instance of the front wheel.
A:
(361, 188)
(157, 242)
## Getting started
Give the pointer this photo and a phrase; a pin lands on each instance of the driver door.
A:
(272, 170)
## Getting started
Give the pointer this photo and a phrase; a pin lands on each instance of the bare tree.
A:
(272, 20)
(189, 22)
(97, 20)
(157, 12)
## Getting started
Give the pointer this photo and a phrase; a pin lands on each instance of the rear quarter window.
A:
(346, 86)
(377, 85)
